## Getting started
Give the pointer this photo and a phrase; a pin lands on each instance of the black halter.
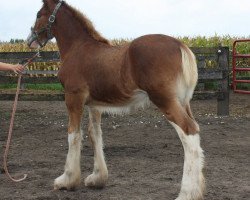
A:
(35, 34)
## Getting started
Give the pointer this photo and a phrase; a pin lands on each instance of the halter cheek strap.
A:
(52, 19)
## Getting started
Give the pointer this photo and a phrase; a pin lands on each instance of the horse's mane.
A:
(87, 24)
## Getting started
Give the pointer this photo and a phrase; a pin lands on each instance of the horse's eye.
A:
(38, 15)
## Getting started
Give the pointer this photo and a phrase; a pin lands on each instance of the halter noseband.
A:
(35, 34)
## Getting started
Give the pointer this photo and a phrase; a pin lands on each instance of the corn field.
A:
(199, 41)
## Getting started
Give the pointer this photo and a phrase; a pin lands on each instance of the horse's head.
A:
(42, 31)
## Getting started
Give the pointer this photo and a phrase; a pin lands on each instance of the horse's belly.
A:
(139, 99)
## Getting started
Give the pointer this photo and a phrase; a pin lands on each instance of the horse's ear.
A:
(45, 2)
(49, 3)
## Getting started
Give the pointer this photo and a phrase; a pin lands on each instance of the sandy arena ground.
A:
(143, 152)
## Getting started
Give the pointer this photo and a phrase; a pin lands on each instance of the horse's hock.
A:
(213, 67)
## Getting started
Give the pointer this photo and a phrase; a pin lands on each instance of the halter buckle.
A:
(52, 18)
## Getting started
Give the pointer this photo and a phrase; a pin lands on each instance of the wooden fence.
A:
(213, 65)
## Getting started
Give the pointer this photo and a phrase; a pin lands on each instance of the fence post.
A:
(223, 84)
(22, 85)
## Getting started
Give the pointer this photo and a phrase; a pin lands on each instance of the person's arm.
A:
(9, 67)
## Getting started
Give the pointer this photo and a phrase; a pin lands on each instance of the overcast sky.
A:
(132, 18)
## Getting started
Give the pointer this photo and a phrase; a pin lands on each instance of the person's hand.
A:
(17, 68)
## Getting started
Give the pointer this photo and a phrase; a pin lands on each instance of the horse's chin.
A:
(34, 45)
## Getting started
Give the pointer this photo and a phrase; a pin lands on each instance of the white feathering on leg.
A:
(193, 185)
(72, 173)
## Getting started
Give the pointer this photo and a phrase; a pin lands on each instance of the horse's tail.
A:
(189, 66)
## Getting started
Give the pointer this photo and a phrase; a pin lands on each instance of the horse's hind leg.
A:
(180, 116)
(192, 186)
(72, 173)
(100, 173)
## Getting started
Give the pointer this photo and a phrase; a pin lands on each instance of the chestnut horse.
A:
(117, 79)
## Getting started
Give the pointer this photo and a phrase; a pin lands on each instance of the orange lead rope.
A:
(10, 134)
(12, 123)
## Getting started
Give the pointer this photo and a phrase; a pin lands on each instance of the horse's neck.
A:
(69, 33)
(66, 41)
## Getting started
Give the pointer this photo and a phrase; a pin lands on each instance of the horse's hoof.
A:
(66, 182)
(96, 180)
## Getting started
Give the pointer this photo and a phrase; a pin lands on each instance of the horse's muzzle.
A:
(32, 40)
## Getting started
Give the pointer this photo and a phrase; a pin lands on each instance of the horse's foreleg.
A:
(100, 173)
(72, 173)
